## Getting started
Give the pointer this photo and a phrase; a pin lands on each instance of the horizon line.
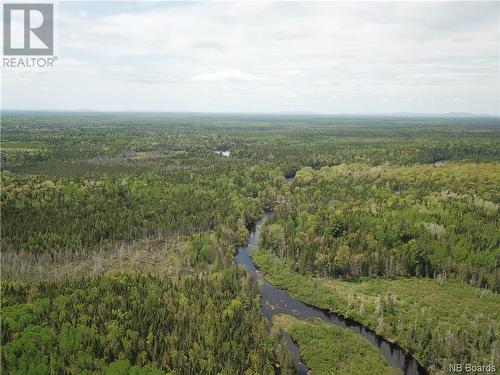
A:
(275, 113)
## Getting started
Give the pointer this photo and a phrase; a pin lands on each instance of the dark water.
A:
(277, 301)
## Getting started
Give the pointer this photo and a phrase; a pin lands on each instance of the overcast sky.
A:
(268, 57)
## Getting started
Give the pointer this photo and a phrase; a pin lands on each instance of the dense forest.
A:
(186, 325)
(424, 220)
(69, 214)
(119, 231)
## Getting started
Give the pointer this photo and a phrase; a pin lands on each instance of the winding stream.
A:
(278, 301)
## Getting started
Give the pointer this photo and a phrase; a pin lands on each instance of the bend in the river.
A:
(278, 301)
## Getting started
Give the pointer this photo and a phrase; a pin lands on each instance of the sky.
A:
(347, 57)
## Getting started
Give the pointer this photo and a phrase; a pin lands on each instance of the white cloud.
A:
(292, 72)
(225, 75)
(205, 56)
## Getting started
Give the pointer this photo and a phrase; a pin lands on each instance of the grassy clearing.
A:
(330, 350)
(439, 321)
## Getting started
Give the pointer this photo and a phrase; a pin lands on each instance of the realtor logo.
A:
(28, 29)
